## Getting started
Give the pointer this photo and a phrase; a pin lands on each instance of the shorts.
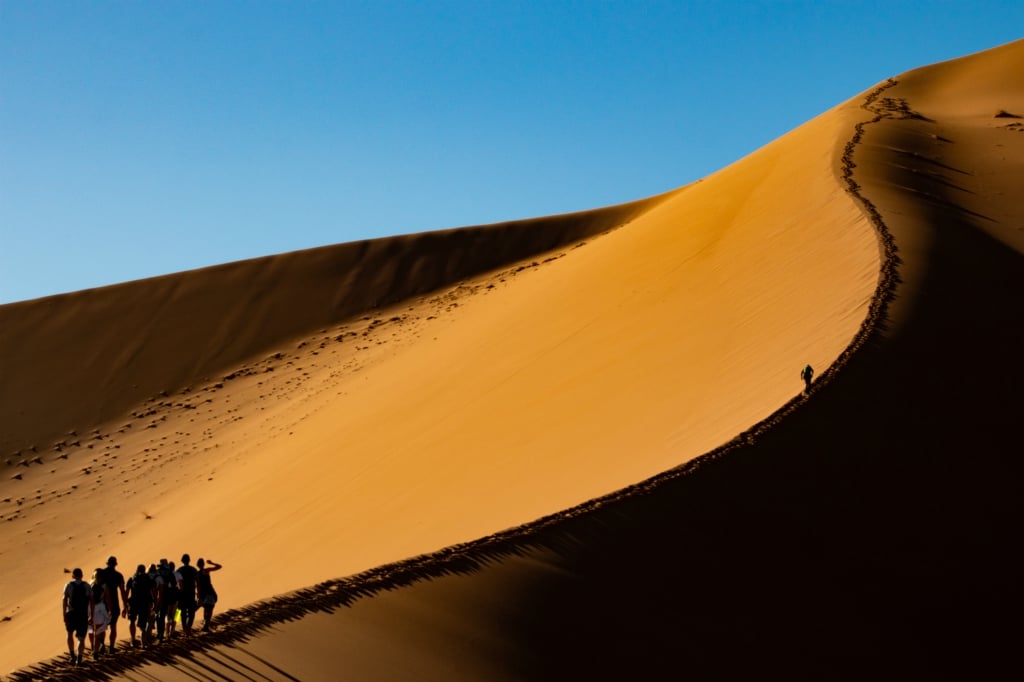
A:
(209, 599)
(139, 612)
(77, 623)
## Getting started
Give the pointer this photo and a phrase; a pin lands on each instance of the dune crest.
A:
(78, 360)
(449, 417)
(535, 388)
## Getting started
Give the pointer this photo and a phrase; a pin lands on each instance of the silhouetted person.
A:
(116, 590)
(101, 608)
(160, 605)
(76, 607)
(187, 594)
(155, 581)
(207, 595)
(167, 599)
(807, 373)
(140, 604)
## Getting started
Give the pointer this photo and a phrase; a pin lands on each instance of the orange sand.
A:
(306, 434)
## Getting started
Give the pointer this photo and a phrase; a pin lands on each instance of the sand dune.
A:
(866, 530)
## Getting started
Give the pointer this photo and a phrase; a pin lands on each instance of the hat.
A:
(112, 561)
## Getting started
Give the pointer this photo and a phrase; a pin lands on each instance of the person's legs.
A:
(145, 625)
(71, 637)
(100, 620)
(188, 615)
(81, 646)
(207, 616)
(113, 627)
(160, 616)
(172, 610)
(132, 617)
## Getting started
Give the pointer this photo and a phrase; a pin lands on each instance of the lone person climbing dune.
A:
(807, 373)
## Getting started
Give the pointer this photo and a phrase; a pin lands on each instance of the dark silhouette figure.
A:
(207, 595)
(167, 599)
(140, 601)
(102, 609)
(117, 591)
(807, 373)
(187, 594)
(77, 609)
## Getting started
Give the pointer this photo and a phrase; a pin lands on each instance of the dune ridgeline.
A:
(570, 447)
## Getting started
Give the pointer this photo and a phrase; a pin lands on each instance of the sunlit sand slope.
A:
(340, 442)
(871, 532)
(451, 416)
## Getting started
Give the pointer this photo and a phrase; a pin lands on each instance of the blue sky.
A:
(146, 137)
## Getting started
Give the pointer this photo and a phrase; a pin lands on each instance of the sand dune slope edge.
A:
(870, 533)
(562, 532)
(478, 408)
(850, 538)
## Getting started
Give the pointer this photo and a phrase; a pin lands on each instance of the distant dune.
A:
(572, 447)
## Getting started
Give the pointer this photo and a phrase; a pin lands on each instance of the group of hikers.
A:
(157, 597)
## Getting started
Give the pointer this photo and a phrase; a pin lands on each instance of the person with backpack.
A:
(187, 594)
(76, 607)
(166, 599)
(807, 373)
(140, 605)
(207, 595)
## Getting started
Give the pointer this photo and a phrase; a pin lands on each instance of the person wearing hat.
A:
(114, 581)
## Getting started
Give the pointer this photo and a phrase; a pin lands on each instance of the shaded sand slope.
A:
(871, 532)
(450, 416)
(77, 360)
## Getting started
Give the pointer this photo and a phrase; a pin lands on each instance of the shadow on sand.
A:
(870, 530)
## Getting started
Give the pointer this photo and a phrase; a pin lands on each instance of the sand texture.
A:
(571, 447)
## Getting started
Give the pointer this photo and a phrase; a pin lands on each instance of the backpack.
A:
(170, 584)
(142, 588)
(79, 601)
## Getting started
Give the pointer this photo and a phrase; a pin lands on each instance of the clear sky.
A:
(139, 138)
